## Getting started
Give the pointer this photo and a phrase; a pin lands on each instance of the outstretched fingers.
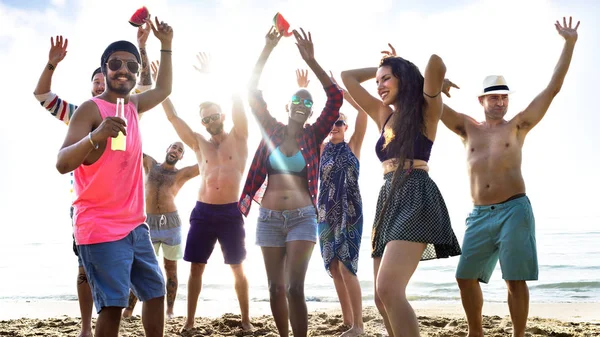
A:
(304, 34)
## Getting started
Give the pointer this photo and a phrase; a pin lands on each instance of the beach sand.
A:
(445, 320)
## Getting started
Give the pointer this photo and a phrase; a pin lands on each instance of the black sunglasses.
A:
(339, 123)
(210, 118)
(117, 64)
(307, 102)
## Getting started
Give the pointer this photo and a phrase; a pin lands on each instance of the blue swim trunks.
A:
(504, 232)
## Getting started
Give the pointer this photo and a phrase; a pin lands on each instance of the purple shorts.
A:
(209, 223)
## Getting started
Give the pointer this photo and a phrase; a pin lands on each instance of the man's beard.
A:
(120, 90)
(496, 115)
(170, 161)
(215, 130)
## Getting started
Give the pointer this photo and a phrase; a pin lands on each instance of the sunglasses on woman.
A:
(117, 64)
(339, 123)
(307, 102)
(210, 118)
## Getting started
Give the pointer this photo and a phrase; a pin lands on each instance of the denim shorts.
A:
(112, 267)
(504, 232)
(275, 228)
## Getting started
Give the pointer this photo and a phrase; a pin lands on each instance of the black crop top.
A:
(422, 149)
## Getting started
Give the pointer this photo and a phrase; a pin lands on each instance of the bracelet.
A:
(434, 96)
(166, 51)
(50, 66)
(92, 142)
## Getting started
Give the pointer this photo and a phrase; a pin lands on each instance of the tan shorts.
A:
(172, 253)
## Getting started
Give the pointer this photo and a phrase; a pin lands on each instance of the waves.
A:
(569, 271)
(572, 286)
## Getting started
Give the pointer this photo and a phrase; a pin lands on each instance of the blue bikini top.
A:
(278, 163)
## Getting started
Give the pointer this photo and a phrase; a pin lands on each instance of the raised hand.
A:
(162, 31)
(305, 45)
(272, 38)
(58, 50)
(154, 66)
(567, 32)
(204, 60)
(447, 85)
(143, 33)
(302, 78)
(391, 52)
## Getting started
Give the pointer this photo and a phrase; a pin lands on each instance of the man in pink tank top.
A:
(113, 240)
(63, 110)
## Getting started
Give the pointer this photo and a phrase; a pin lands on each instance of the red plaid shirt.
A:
(309, 141)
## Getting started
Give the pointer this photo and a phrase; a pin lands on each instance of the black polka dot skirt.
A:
(417, 212)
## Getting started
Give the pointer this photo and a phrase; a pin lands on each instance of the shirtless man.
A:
(501, 225)
(163, 182)
(222, 160)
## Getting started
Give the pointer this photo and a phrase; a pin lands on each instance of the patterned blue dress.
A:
(339, 206)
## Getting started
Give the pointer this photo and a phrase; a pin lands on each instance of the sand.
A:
(438, 321)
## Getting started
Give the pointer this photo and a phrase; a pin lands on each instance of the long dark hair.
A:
(407, 120)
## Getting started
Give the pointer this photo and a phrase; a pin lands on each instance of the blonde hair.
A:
(208, 104)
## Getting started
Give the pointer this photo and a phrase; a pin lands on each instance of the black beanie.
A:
(118, 46)
(97, 71)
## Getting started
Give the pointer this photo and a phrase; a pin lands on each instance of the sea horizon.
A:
(45, 270)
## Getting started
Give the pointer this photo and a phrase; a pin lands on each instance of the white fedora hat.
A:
(495, 84)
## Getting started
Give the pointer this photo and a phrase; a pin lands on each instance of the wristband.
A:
(92, 142)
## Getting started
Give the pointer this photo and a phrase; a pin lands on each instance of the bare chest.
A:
(227, 154)
(289, 147)
(161, 178)
(498, 144)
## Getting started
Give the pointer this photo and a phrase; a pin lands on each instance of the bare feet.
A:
(353, 332)
(170, 314)
(247, 326)
(344, 326)
(127, 313)
(187, 326)
(86, 334)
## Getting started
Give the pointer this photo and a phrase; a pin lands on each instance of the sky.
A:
(513, 38)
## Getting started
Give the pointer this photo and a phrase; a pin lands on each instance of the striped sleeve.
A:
(59, 108)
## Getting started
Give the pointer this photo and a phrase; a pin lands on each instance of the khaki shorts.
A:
(172, 253)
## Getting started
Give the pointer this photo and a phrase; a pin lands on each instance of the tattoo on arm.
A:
(51, 67)
(81, 279)
(145, 78)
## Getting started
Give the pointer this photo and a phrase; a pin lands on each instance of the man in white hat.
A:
(501, 226)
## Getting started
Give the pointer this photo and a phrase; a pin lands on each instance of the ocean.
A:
(44, 269)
